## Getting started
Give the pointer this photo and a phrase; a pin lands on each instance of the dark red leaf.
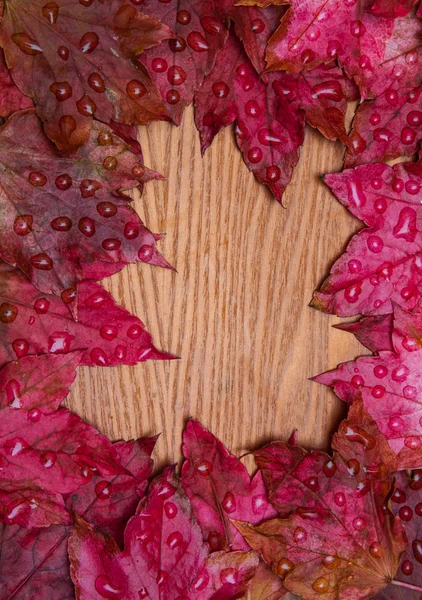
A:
(335, 537)
(63, 215)
(382, 263)
(392, 8)
(78, 60)
(35, 323)
(373, 332)
(164, 555)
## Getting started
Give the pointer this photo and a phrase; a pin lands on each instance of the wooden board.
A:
(236, 311)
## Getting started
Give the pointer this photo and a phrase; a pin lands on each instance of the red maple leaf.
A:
(11, 98)
(390, 387)
(178, 66)
(83, 61)
(372, 332)
(33, 561)
(335, 535)
(219, 488)
(269, 115)
(392, 8)
(406, 503)
(45, 452)
(35, 323)
(387, 127)
(164, 555)
(383, 262)
(375, 51)
(60, 215)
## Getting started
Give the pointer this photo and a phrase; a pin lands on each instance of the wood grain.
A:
(236, 311)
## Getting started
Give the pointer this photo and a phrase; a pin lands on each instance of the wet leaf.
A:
(164, 555)
(32, 322)
(62, 216)
(11, 98)
(382, 263)
(372, 332)
(83, 57)
(391, 389)
(335, 535)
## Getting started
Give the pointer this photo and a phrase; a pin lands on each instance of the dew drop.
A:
(355, 266)
(26, 44)
(62, 90)
(273, 173)
(220, 89)
(162, 577)
(359, 523)
(59, 342)
(88, 42)
(61, 224)
(63, 52)
(229, 576)
(111, 244)
(159, 65)
(255, 155)
(42, 262)
(86, 226)
(135, 331)
(110, 163)
(229, 503)
(407, 567)
(405, 513)
(98, 357)
(23, 225)
(104, 588)
(417, 550)
(177, 45)
(63, 182)
(205, 468)
(175, 540)
(131, 231)
(20, 347)
(109, 332)
(396, 424)
(375, 550)
(173, 97)
(50, 11)
(176, 75)
(329, 468)
(300, 534)
(331, 562)
(184, 17)
(135, 89)
(96, 82)
(284, 567)
(211, 25)
(48, 459)
(197, 42)
(103, 490)
(86, 106)
(257, 26)
(89, 187)
(37, 179)
(375, 244)
(146, 253)
(353, 467)
(320, 585)
(171, 510)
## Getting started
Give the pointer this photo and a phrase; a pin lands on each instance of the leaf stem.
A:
(409, 586)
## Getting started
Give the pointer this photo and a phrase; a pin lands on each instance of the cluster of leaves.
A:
(80, 518)
(78, 514)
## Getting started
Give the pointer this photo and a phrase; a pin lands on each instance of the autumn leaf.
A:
(335, 535)
(11, 98)
(372, 332)
(33, 561)
(382, 263)
(35, 323)
(387, 127)
(179, 65)
(390, 387)
(45, 451)
(375, 51)
(61, 215)
(83, 57)
(406, 503)
(392, 8)
(164, 555)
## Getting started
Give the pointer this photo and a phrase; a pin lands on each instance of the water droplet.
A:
(173, 97)
(109, 332)
(417, 550)
(416, 483)
(353, 467)
(412, 187)
(331, 562)
(12, 393)
(48, 459)
(86, 106)
(34, 415)
(300, 534)
(106, 209)
(359, 523)
(135, 89)
(201, 581)
(375, 550)
(407, 135)
(159, 65)
(41, 306)
(329, 468)
(352, 293)
(61, 224)
(162, 578)
(229, 575)
(410, 392)
(229, 503)
(255, 155)
(109, 163)
(220, 89)
(399, 496)
(375, 244)
(131, 231)
(355, 266)
(63, 182)
(59, 342)
(111, 244)
(378, 391)
(88, 42)
(412, 442)
(20, 347)
(407, 567)
(37, 179)
(212, 25)
(89, 187)
(63, 52)
(171, 510)
(284, 567)
(135, 331)
(357, 29)
(26, 44)
(257, 26)
(42, 262)
(396, 424)
(23, 225)
(382, 135)
(312, 483)
(50, 11)
(86, 226)
(146, 253)
(176, 75)
(103, 490)
(62, 90)
(174, 540)
(177, 44)
(120, 352)
(205, 468)
(96, 82)
(375, 119)
(183, 17)
(98, 357)
(392, 97)
(418, 509)
(106, 589)
(105, 138)
(320, 585)
(273, 173)
(405, 513)
(414, 118)
(15, 446)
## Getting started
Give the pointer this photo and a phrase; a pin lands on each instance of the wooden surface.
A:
(236, 311)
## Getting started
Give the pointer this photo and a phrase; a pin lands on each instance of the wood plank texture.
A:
(236, 311)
